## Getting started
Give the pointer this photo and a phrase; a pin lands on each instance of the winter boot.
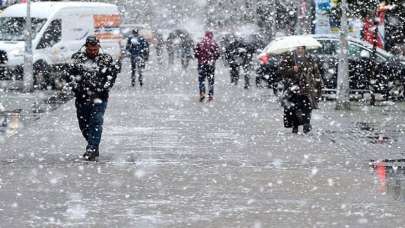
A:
(202, 97)
(295, 130)
(91, 154)
(307, 128)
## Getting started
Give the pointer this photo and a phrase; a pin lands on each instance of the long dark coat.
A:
(308, 78)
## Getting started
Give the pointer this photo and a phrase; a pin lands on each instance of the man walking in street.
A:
(138, 49)
(303, 86)
(207, 53)
(233, 58)
(92, 76)
(186, 50)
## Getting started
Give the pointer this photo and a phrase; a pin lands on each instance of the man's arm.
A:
(128, 46)
(72, 74)
(110, 75)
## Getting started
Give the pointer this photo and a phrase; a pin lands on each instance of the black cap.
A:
(92, 40)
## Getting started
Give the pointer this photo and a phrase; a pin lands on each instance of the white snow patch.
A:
(331, 182)
(362, 221)
(76, 212)
(140, 173)
(314, 171)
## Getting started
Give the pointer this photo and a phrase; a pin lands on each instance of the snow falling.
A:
(235, 113)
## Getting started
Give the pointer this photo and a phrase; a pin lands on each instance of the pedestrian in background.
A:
(246, 52)
(233, 58)
(138, 49)
(186, 50)
(170, 47)
(207, 53)
(303, 88)
(92, 75)
(159, 47)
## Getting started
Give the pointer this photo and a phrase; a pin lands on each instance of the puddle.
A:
(373, 134)
(390, 177)
(12, 121)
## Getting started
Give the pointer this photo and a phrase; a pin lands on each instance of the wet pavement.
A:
(18, 110)
(168, 160)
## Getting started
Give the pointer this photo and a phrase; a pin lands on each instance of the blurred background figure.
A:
(159, 47)
(138, 49)
(207, 53)
(186, 49)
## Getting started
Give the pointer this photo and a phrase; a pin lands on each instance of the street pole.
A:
(342, 93)
(28, 77)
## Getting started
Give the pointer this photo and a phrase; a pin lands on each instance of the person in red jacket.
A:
(207, 53)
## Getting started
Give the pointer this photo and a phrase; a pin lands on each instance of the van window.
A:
(12, 28)
(52, 35)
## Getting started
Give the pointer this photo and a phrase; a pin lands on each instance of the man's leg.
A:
(306, 109)
(294, 112)
(234, 74)
(133, 69)
(211, 81)
(201, 81)
(83, 114)
(247, 77)
(96, 127)
(171, 57)
(141, 67)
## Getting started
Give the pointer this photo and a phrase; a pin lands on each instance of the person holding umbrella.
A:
(303, 88)
(301, 78)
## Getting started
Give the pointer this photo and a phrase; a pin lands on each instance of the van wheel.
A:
(42, 75)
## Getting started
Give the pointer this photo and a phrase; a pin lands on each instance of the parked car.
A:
(55, 38)
(378, 72)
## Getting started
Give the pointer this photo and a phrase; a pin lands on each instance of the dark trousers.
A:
(206, 71)
(246, 74)
(234, 72)
(184, 62)
(137, 65)
(171, 57)
(91, 117)
(299, 112)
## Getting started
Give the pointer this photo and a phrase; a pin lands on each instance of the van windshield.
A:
(12, 28)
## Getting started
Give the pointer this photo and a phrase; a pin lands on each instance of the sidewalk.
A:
(18, 109)
(169, 161)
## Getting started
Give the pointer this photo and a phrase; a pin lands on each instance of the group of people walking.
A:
(92, 74)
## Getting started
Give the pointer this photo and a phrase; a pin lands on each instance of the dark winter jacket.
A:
(92, 79)
(239, 53)
(307, 79)
(138, 48)
(232, 54)
(207, 50)
(187, 45)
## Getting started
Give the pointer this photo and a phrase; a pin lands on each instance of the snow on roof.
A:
(45, 9)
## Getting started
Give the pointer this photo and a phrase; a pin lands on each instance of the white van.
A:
(59, 30)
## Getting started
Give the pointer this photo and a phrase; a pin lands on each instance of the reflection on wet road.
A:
(390, 177)
(31, 108)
